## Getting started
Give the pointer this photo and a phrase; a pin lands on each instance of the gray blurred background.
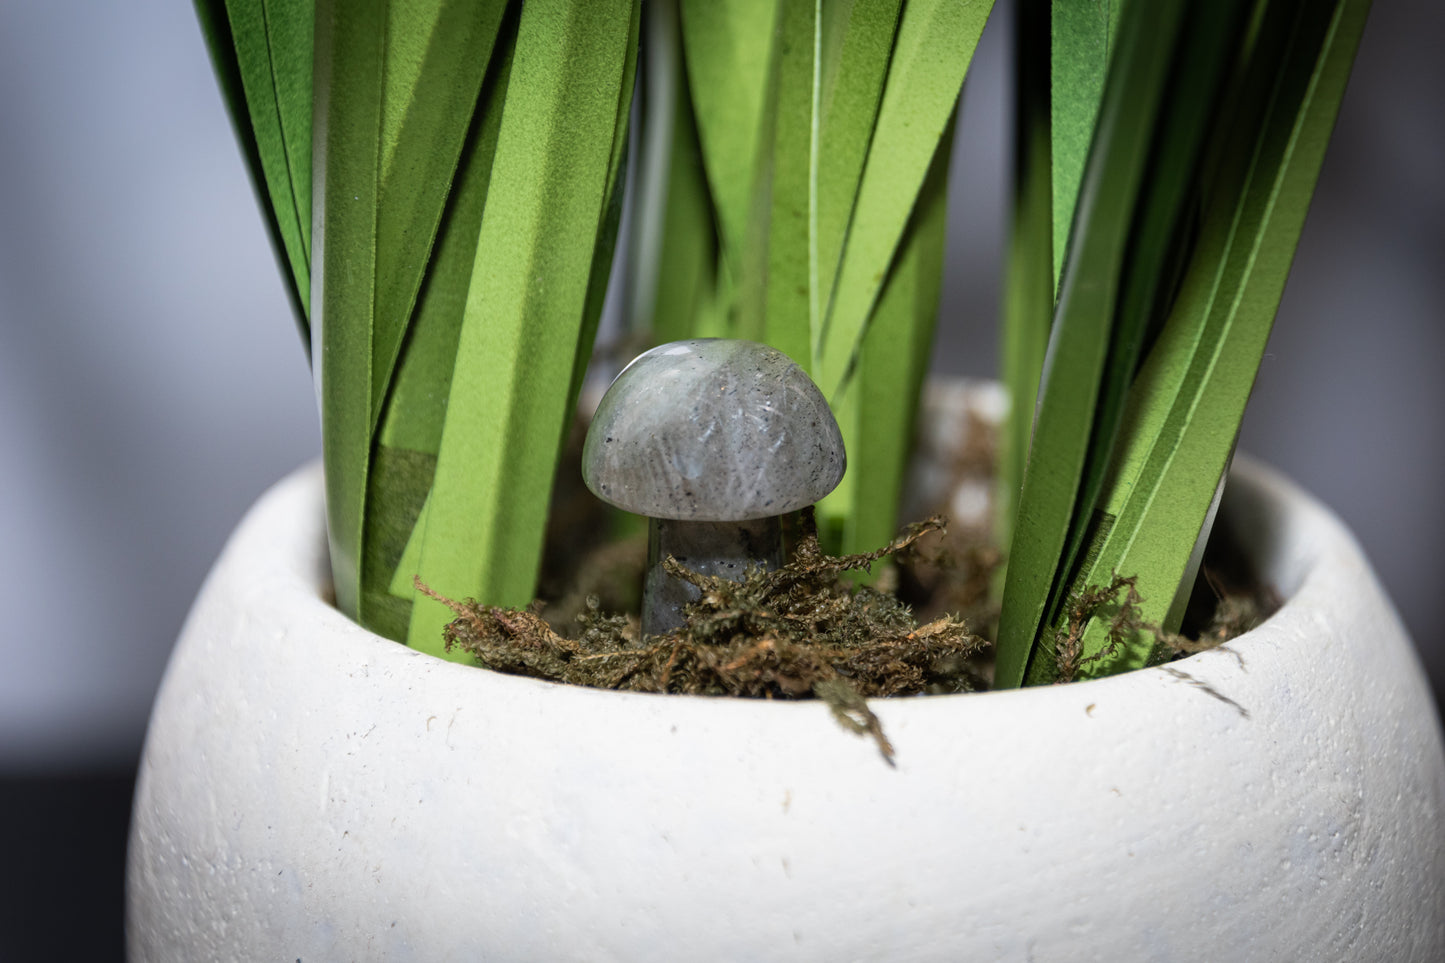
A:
(152, 383)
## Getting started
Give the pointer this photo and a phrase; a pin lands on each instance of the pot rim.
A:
(1294, 542)
(292, 748)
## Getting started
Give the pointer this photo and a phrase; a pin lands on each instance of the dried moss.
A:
(798, 632)
(1121, 596)
(808, 630)
(954, 573)
(1231, 613)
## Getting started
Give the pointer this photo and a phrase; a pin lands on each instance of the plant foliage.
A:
(443, 181)
(449, 260)
(798, 195)
(1206, 146)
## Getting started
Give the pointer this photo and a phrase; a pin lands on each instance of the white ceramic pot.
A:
(310, 791)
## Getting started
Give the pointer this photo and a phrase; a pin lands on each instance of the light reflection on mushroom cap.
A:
(713, 430)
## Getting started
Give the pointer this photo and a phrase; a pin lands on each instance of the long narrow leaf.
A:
(892, 364)
(1067, 426)
(674, 250)
(728, 45)
(1083, 34)
(264, 71)
(1209, 37)
(605, 246)
(787, 168)
(1028, 309)
(931, 54)
(290, 34)
(545, 205)
(856, 50)
(686, 281)
(350, 53)
(405, 452)
(1191, 395)
(436, 55)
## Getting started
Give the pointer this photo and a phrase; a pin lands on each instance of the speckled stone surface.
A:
(713, 430)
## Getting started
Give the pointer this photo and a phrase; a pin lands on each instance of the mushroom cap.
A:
(713, 430)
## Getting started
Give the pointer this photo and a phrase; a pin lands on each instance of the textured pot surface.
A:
(312, 791)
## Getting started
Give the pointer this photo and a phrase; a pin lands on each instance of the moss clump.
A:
(809, 631)
(798, 632)
(1121, 596)
(1229, 614)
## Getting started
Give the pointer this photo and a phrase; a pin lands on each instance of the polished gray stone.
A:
(724, 549)
(713, 430)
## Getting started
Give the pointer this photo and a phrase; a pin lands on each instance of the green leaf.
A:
(728, 47)
(1070, 425)
(437, 52)
(349, 59)
(411, 428)
(881, 402)
(525, 309)
(290, 32)
(686, 263)
(606, 244)
(1083, 35)
(1186, 173)
(401, 85)
(261, 50)
(416, 407)
(1189, 399)
(787, 186)
(1029, 281)
(1162, 224)
(857, 45)
(931, 54)
(672, 264)
(423, 385)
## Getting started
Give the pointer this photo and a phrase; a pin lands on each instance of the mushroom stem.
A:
(724, 549)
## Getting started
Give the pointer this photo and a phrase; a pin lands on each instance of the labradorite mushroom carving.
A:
(713, 440)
